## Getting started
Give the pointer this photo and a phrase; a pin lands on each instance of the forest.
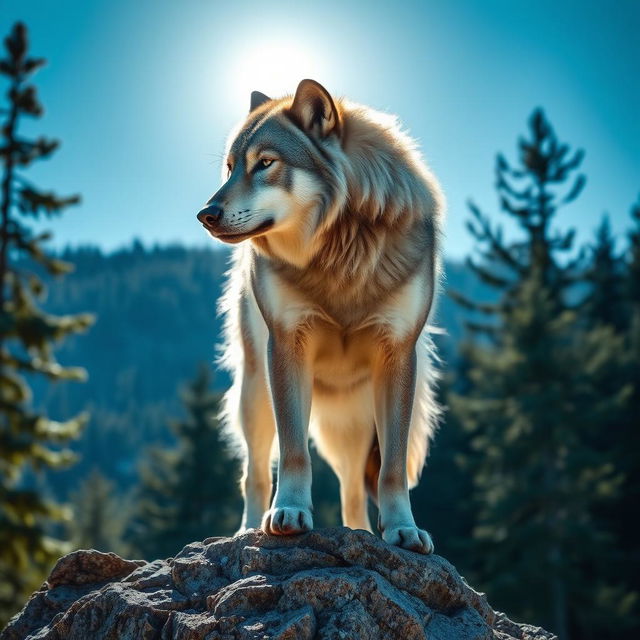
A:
(108, 417)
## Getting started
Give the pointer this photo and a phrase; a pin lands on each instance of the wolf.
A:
(338, 223)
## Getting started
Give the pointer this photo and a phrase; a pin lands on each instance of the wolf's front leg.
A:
(290, 379)
(258, 427)
(394, 379)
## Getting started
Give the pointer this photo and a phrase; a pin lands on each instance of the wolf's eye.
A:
(265, 162)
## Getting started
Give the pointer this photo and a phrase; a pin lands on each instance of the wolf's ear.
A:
(257, 99)
(315, 109)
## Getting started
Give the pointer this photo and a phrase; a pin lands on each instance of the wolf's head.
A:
(283, 182)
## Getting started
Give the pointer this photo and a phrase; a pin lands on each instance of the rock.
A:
(325, 584)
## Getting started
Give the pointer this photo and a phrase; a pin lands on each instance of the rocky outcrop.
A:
(326, 584)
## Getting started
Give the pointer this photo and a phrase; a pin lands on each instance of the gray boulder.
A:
(326, 584)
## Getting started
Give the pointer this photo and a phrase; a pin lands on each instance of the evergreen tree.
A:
(604, 302)
(605, 314)
(621, 444)
(191, 491)
(29, 440)
(633, 261)
(99, 516)
(535, 400)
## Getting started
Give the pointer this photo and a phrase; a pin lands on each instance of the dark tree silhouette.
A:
(190, 491)
(29, 440)
(99, 516)
(536, 398)
(605, 302)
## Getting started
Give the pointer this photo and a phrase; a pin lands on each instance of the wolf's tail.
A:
(372, 469)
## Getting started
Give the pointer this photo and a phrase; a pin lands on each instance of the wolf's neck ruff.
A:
(374, 221)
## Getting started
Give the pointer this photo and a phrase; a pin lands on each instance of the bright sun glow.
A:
(274, 69)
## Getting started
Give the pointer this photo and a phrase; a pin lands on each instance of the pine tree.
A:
(632, 288)
(535, 401)
(605, 314)
(621, 445)
(604, 302)
(191, 491)
(29, 440)
(99, 516)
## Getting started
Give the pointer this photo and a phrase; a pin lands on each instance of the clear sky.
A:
(142, 94)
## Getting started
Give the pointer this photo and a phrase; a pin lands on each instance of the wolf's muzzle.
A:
(210, 215)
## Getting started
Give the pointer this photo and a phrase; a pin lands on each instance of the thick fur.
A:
(327, 307)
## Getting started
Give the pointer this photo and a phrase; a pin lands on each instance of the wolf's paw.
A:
(287, 521)
(410, 538)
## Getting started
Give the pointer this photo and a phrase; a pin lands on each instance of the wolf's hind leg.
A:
(258, 427)
(345, 442)
(353, 495)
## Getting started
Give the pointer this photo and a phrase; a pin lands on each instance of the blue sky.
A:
(142, 95)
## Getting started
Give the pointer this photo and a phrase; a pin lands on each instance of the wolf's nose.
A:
(210, 215)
